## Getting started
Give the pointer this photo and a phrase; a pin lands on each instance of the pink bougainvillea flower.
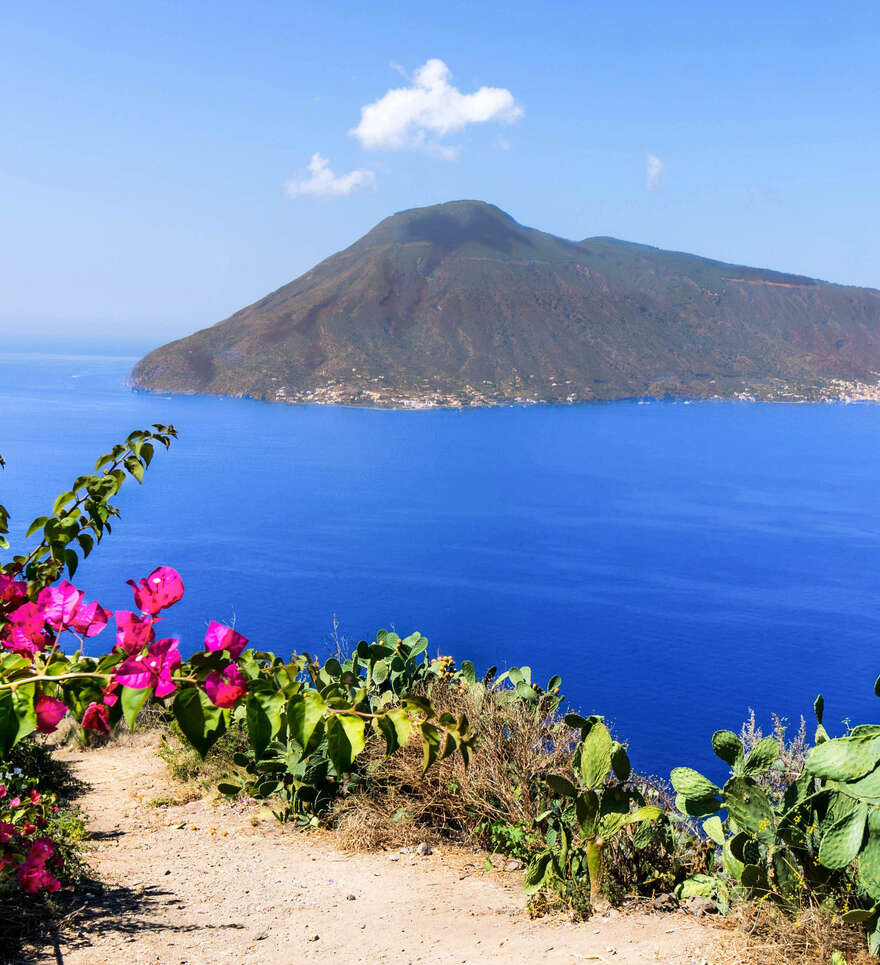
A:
(110, 697)
(161, 589)
(152, 669)
(220, 637)
(32, 874)
(25, 631)
(2, 791)
(97, 717)
(227, 688)
(7, 831)
(60, 604)
(89, 619)
(49, 713)
(12, 590)
(134, 632)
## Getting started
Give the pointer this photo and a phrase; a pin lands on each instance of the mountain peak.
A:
(450, 226)
(457, 303)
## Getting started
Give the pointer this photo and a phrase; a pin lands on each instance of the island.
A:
(457, 304)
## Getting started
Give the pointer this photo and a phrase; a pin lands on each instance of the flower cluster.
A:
(30, 627)
(25, 853)
(138, 666)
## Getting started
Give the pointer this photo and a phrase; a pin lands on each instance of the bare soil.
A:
(207, 882)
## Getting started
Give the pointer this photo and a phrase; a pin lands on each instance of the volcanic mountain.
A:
(458, 304)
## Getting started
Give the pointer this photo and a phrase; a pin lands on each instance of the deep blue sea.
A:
(677, 564)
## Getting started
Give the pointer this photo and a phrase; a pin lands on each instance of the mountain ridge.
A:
(459, 304)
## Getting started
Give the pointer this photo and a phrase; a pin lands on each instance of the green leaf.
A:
(345, 740)
(727, 746)
(537, 872)
(263, 715)
(430, 745)
(86, 542)
(17, 716)
(647, 812)
(561, 785)
(697, 886)
(842, 841)
(229, 789)
(135, 467)
(201, 722)
(468, 673)
(749, 807)
(819, 704)
(691, 784)
(304, 712)
(61, 502)
(413, 702)
(764, 754)
(132, 701)
(39, 522)
(697, 807)
(845, 758)
(596, 755)
(620, 762)
(857, 916)
(714, 829)
(396, 726)
(869, 856)
(732, 864)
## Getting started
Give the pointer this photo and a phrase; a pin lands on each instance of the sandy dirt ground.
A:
(203, 883)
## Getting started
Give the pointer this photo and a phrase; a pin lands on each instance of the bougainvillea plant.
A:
(45, 675)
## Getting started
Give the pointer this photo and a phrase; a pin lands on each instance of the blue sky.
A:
(154, 156)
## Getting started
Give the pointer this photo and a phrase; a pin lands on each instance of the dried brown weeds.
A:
(762, 934)
(517, 745)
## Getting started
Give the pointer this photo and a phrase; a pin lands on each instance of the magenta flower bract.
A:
(32, 874)
(59, 604)
(227, 688)
(220, 637)
(49, 713)
(134, 632)
(12, 590)
(89, 619)
(97, 717)
(161, 589)
(152, 669)
(25, 631)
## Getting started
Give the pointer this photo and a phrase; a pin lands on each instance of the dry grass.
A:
(762, 934)
(398, 806)
(793, 748)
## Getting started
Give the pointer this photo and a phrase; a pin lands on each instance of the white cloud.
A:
(321, 182)
(418, 115)
(653, 171)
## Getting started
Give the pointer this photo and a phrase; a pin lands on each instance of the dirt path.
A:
(200, 883)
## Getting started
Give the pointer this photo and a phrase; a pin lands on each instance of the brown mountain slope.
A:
(459, 304)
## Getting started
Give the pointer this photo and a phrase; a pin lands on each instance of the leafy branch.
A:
(81, 516)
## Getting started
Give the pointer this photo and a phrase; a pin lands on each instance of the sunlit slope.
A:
(459, 303)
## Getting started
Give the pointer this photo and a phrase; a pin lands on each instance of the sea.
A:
(677, 564)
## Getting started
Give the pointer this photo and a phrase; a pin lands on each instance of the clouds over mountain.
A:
(420, 115)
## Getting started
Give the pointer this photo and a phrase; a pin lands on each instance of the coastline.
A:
(839, 391)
